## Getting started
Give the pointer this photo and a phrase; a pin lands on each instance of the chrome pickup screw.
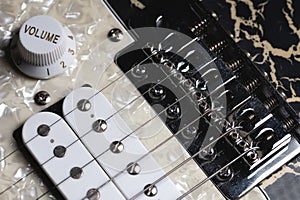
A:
(84, 105)
(93, 194)
(43, 130)
(173, 112)
(59, 151)
(116, 147)
(133, 168)
(76, 172)
(100, 126)
(150, 190)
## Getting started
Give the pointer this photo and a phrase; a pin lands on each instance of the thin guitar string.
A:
(51, 158)
(108, 86)
(123, 75)
(137, 129)
(185, 162)
(165, 141)
(24, 145)
(216, 173)
(90, 98)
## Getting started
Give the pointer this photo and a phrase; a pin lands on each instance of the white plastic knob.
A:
(43, 48)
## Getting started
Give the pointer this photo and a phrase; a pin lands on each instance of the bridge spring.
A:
(271, 103)
(218, 47)
(235, 64)
(199, 27)
(288, 123)
(251, 85)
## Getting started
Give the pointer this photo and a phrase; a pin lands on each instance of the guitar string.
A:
(123, 75)
(185, 162)
(24, 145)
(139, 128)
(219, 170)
(125, 105)
(165, 141)
(216, 173)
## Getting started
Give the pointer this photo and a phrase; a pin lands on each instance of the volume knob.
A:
(43, 48)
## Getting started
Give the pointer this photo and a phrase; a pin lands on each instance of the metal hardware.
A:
(133, 168)
(199, 27)
(59, 151)
(271, 103)
(116, 147)
(288, 123)
(150, 190)
(115, 35)
(225, 175)
(157, 92)
(100, 126)
(42, 98)
(93, 194)
(84, 105)
(251, 85)
(76, 172)
(173, 112)
(218, 47)
(235, 64)
(43, 130)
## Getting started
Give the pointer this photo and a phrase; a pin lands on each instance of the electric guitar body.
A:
(134, 100)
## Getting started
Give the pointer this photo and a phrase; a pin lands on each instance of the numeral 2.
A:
(62, 63)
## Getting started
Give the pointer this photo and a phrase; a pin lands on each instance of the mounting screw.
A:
(76, 172)
(93, 194)
(100, 126)
(43, 130)
(225, 174)
(116, 147)
(59, 151)
(115, 35)
(133, 168)
(42, 98)
(150, 190)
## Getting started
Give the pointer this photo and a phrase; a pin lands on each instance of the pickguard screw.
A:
(42, 98)
(115, 35)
